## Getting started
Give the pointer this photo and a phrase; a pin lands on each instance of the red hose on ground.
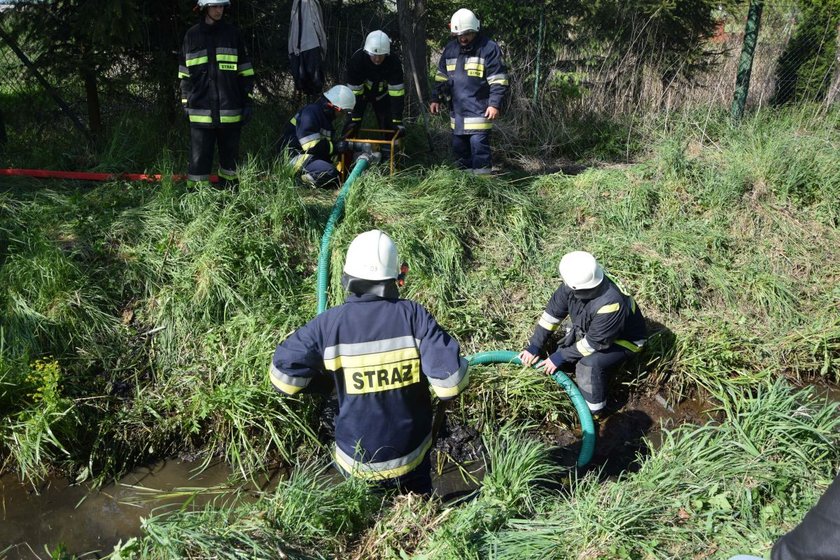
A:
(88, 176)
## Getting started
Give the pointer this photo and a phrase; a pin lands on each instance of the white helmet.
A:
(463, 21)
(342, 97)
(203, 3)
(372, 256)
(377, 43)
(580, 270)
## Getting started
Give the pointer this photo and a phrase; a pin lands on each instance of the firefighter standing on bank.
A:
(471, 72)
(307, 138)
(216, 83)
(607, 327)
(376, 77)
(383, 353)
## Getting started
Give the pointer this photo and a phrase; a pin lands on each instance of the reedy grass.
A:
(729, 488)
(306, 516)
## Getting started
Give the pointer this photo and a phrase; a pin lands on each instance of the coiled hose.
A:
(335, 215)
(587, 426)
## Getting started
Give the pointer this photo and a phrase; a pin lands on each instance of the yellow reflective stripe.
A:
(629, 345)
(293, 120)
(474, 66)
(200, 119)
(184, 101)
(373, 359)
(441, 77)
(370, 471)
(498, 81)
(197, 61)
(227, 57)
(478, 126)
(450, 67)
(309, 145)
(584, 348)
(230, 118)
(183, 75)
(247, 72)
(396, 93)
(547, 326)
(447, 392)
(278, 379)
(611, 308)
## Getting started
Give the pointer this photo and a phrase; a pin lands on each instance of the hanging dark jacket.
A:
(817, 537)
(311, 129)
(610, 317)
(383, 355)
(476, 78)
(216, 75)
(372, 82)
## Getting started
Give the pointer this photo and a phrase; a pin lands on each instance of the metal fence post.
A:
(742, 82)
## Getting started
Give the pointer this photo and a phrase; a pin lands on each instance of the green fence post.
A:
(742, 82)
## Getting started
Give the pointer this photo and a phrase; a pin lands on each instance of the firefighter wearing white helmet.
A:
(607, 327)
(307, 139)
(376, 77)
(382, 354)
(217, 79)
(473, 77)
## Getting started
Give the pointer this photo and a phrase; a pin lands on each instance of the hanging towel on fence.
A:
(307, 45)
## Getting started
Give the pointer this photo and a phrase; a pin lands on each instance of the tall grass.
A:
(161, 305)
(722, 489)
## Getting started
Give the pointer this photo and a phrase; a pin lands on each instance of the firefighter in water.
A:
(383, 353)
(607, 327)
(308, 141)
(216, 83)
(471, 72)
(376, 77)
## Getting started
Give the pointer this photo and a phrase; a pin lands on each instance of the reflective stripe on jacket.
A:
(611, 317)
(383, 354)
(216, 75)
(311, 129)
(476, 78)
(371, 81)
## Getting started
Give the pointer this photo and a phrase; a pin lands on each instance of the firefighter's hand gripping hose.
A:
(587, 425)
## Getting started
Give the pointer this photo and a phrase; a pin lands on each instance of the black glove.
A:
(400, 130)
(247, 114)
(341, 147)
(351, 128)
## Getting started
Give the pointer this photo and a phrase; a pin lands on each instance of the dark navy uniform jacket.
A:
(372, 82)
(383, 355)
(216, 75)
(310, 130)
(611, 317)
(476, 78)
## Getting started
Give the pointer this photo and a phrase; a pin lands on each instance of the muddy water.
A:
(85, 520)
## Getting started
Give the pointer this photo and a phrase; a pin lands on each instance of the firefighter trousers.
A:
(202, 146)
(591, 374)
(472, 152)
(315, 172)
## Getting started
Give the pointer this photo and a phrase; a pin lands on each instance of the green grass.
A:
(158, 309)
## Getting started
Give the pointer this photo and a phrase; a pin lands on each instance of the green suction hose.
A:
(587, 426)
(335, 215)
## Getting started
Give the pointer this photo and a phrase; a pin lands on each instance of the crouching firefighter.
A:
(607, 327)
(383, 353)
(307, 138)
(216, 83)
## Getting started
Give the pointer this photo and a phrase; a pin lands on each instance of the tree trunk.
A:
(412, 19)
(93, 106)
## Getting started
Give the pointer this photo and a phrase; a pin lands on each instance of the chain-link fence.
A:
(796, 60)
